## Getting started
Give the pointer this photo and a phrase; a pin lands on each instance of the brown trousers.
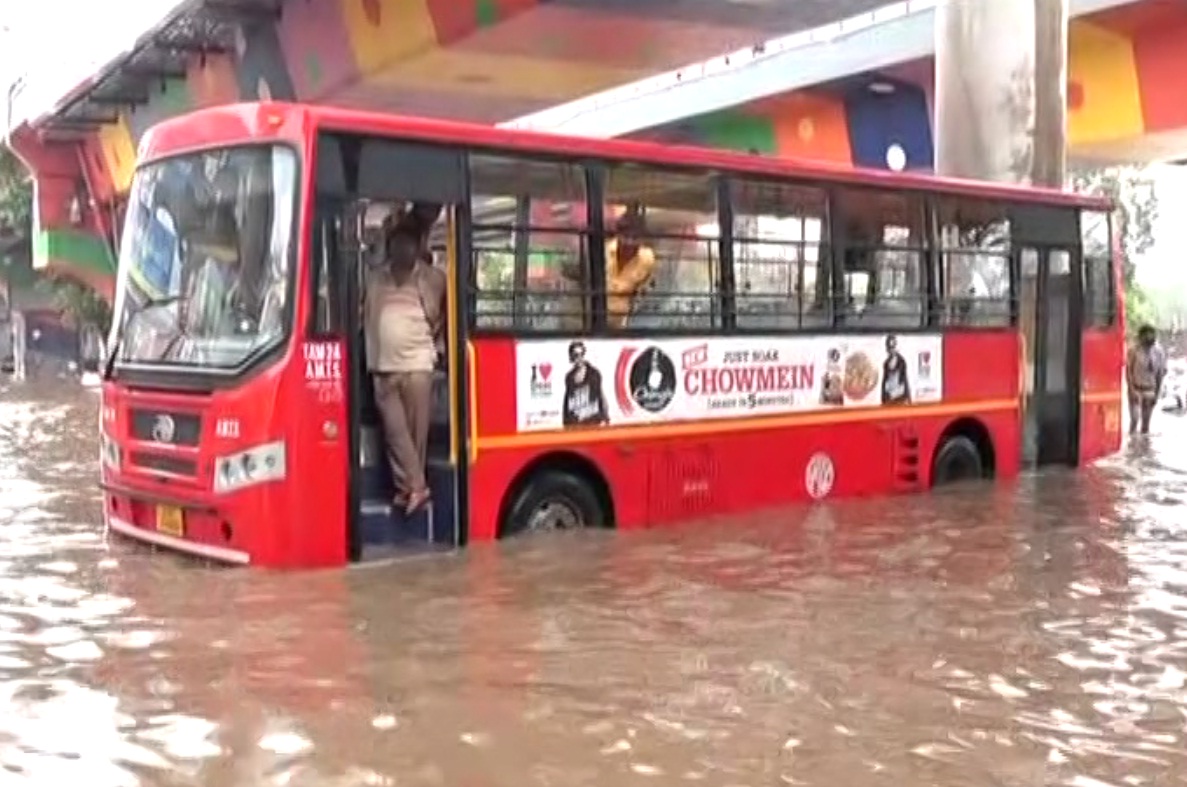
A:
(405, 402)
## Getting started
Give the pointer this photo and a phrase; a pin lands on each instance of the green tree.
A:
(81, 304)
(1132, 190)
(16, 194)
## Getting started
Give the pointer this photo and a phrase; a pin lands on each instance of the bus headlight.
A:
(257, 465)
(109, 452)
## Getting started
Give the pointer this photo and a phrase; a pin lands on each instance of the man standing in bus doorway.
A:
(1145, 369)
(629, 267)
(404, 310)
(418, 220)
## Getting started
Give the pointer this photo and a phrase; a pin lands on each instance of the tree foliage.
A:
(16, 194)
(1132, 190)
(81, 304)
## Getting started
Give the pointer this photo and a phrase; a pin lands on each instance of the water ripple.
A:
(1021, 635)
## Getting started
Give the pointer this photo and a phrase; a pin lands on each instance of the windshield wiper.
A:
(132, 313)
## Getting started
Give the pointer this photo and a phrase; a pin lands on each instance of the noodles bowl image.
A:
(861, 377)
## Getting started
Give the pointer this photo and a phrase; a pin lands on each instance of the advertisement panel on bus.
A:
(585, 383)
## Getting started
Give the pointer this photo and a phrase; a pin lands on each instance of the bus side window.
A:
(1100, 299)
(972, 279)
(528, 223)
(661, 249)
(779, 281)
(883, 248)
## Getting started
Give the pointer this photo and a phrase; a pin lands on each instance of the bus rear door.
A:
(1048, 264)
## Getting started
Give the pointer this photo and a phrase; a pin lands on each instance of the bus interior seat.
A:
(895, 315)
(782, 314)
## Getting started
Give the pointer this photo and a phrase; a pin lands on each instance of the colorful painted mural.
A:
(1123, 86)
(481, 60)
(487, 60)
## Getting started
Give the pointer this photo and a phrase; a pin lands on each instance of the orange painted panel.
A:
(1133, 18)
(383, 31)
(521, 77)
(453, 19)
(811, 126)
(97, 174)
(1161, 57)
(214, 83)
(1105, 103)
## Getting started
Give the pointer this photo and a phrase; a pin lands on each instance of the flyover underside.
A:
(481, 60)
(851, 92)
(847, 93)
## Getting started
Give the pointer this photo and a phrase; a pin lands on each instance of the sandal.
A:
(416, 500)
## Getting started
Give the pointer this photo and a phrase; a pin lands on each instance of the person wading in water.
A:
(1145, 369)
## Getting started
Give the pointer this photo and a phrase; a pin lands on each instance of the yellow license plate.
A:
(171, 521)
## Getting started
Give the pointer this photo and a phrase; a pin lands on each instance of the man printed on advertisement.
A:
(832, 387)
(584, 400)
(896, 389)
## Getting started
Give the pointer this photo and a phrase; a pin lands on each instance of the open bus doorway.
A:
(366, 187)
(1049, 309)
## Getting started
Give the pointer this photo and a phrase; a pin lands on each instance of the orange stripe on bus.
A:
(658, 431)
(1106, 397)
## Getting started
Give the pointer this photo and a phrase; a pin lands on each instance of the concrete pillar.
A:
(1049, 167)
(1001, 107)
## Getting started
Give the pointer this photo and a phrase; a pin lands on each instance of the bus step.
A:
(381, 523)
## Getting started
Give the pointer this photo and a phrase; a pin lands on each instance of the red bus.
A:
(807, 332)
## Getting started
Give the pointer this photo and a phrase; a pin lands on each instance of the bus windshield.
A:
(206, 257)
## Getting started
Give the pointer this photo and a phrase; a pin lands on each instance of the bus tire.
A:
(553, 500)
(958, 460)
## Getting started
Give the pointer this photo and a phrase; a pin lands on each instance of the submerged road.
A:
(1032, 634)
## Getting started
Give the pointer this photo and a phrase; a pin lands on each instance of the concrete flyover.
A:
(848, 91)
(482, 60)
(843, 91)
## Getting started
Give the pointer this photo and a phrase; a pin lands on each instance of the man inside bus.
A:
(404, 310)
(1145, 369)
(418, 219)
(630, 264)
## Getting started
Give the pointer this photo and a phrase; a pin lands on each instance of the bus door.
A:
(382, 177)
(1048, 264)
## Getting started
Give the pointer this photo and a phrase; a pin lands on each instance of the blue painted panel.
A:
(878, 121)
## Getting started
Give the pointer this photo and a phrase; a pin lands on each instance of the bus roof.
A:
(257, 121)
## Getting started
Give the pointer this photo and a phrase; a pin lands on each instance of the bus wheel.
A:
(958, 460)
(553, 501)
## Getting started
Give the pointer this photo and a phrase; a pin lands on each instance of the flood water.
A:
(1034, 634)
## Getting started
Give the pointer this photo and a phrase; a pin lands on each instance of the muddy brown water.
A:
(1030, 634)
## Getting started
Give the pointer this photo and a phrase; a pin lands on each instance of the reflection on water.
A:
(994, 636)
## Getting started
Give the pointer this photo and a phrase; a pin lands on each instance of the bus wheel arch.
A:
(568, 481)
(964, 452)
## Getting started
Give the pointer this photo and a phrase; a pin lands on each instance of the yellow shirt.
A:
(625, 280)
